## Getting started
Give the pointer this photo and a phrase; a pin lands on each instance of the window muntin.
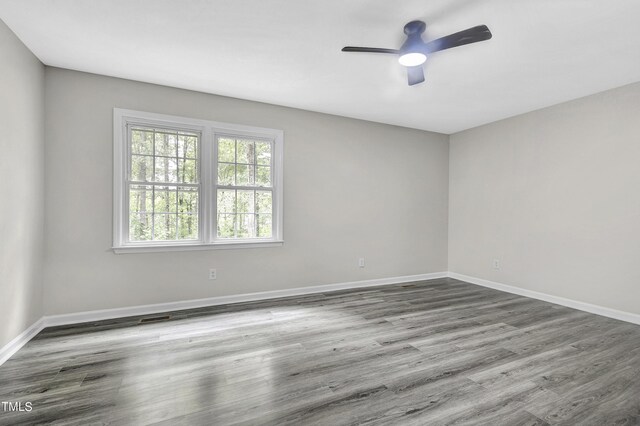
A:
(172, 173)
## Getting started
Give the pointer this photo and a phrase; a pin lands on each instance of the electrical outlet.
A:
(361, 262)
(212, 274)
(496, 264)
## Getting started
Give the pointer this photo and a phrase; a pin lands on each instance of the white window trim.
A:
(207, 162)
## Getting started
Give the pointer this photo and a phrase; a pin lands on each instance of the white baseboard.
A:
(52, 320)
(19, 341)
(582, 306)
(98, 315)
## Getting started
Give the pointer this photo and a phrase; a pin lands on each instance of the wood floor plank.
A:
(437, 352)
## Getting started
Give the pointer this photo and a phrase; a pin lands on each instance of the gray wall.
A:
(552, 194)
(21, 186)
(555, 196)
(352, 188)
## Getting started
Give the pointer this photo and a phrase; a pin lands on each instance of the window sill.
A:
(198, 246)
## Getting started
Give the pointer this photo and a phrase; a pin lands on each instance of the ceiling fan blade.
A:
(468, 36)
(415, 74)
(369, 50)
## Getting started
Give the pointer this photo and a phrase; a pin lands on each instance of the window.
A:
(245, 193)
(182, 183)
(163, 184)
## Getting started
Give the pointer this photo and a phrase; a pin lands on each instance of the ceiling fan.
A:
(414, 51)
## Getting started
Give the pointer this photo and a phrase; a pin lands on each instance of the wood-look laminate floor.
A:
(430, 353)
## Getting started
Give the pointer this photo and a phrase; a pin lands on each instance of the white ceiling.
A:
(287, 52)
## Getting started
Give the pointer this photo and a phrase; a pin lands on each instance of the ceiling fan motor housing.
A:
(414, 42)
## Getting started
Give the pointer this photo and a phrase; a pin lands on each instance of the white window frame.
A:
(207, 169)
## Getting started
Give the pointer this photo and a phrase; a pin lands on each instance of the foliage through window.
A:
(245, 195)
(163, 184)
(184, 182)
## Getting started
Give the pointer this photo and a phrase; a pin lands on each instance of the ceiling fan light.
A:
(412, 59)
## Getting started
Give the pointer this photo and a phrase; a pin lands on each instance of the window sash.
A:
(163, 130)
(217, 186)
(177, 213)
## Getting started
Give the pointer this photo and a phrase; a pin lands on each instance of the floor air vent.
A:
(154, 319)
